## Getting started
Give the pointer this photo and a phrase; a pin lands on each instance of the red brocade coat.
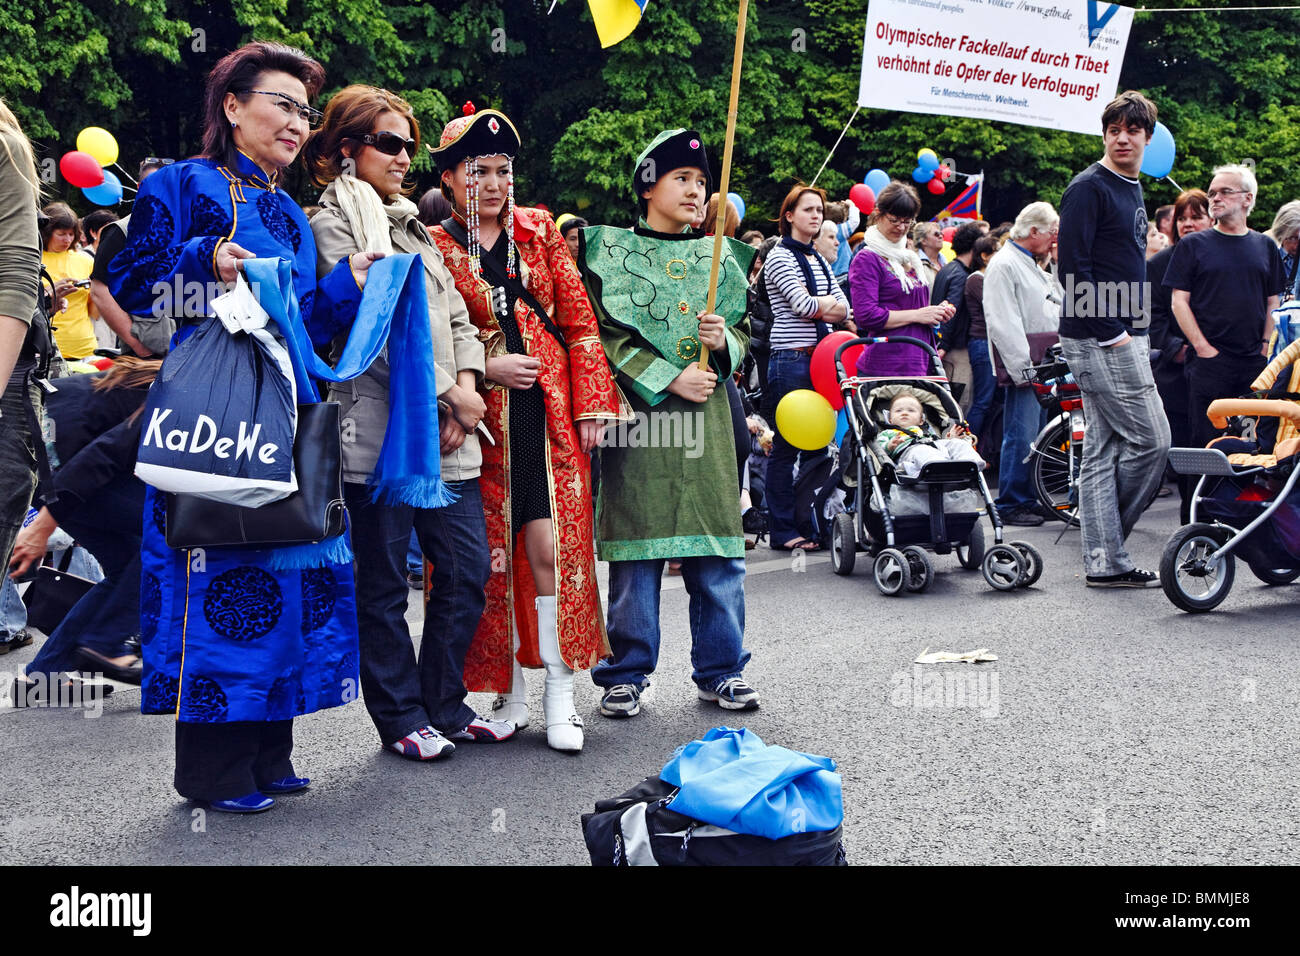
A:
(577, 384)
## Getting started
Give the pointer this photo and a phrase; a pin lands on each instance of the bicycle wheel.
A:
(1056, 471)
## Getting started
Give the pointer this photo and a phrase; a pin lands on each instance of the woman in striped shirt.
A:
(806, 300)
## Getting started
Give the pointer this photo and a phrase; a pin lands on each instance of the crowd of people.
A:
(542, 340)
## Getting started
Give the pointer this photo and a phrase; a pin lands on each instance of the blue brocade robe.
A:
(225, 638)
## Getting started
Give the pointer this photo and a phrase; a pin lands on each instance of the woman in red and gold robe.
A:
(549, 393)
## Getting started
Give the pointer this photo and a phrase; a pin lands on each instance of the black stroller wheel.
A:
(844, 544)
(1276, 576)
(920, 566)
(1003, 567)
(1033, 562)
(892, 572)
(970, 555)
(1190, 579)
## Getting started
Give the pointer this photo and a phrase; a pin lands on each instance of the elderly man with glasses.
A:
(1225, 282)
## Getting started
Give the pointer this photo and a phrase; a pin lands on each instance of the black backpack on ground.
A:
(636, 828)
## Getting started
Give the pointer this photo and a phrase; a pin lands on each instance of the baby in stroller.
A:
(910, 446)
(913, 491)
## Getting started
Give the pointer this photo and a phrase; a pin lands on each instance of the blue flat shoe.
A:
(287, 785)
(253, 803)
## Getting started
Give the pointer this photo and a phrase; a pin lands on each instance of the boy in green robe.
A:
(668, 482)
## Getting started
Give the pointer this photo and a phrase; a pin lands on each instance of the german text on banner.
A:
(1052, 63)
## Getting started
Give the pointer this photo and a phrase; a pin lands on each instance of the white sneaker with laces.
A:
(732, 694)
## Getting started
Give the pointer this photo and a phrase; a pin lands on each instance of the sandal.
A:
(799, 544)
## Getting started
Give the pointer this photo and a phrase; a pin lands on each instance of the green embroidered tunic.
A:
(668, 483)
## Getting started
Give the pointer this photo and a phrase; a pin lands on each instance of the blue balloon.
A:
(107, 193)
(738, 203)
(927, 162)
(1158, 160)
(922, 175)
(841, 426)
(877, 180)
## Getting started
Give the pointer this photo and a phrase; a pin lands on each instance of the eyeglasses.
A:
(1215, 193)
(155, 161)
(389, 144)
(897, 221)
(288, 106)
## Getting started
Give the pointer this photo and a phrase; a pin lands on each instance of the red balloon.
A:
(822, 367)
(949, 233)
(81, 169)
(862, 197)
(935, 186)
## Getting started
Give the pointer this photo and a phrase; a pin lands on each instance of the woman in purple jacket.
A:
(888, 291)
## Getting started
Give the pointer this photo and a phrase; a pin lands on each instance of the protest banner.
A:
(1050, 63)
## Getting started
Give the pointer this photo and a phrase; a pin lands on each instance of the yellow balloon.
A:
(805, 419)
(946, 251)
(923, 153)
(99, 143)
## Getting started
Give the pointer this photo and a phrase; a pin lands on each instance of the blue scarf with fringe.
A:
(394, 311)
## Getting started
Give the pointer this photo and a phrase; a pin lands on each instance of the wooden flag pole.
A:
(719, 227)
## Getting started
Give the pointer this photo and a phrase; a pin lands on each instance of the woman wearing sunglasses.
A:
(361, 155)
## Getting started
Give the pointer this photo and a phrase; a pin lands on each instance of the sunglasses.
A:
(390, 144)
(156, 161)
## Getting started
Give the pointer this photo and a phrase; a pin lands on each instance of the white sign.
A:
(1052, 63)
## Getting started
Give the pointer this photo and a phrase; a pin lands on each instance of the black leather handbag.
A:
(53, 594)
(311, 514)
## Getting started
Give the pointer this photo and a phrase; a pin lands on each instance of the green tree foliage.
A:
(137, 68)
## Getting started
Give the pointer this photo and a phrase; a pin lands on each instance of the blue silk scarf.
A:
(394, 310)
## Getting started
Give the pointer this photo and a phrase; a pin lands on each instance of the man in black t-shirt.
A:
(1225, 284)
(1104, 323)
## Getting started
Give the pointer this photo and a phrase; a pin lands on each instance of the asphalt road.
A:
(1113, 728)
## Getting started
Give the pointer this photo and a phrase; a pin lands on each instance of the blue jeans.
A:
(401, 694)
(787, 370)
(108, 526)
(13, 612)
(982, 383)
(717, 610)
(1022, 420)
(414, 559)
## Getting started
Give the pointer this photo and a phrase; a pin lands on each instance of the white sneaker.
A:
(485, 730)
(732, 694)
(423, 744)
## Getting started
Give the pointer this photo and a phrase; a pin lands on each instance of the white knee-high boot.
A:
(513, 705)
(563, 725)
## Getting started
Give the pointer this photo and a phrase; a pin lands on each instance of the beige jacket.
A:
(456, 346)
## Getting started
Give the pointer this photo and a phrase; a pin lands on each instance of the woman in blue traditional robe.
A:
(233, 647)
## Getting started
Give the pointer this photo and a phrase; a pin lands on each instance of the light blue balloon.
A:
(922, 175)
(1158, 160)
(738, 203)
(877, 180)
(107, 193)
(927, 162)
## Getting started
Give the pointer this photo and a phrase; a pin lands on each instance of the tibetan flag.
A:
(965, 206)
(615, 19)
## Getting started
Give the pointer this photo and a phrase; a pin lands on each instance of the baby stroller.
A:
(1246, 503)
(896, 518)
